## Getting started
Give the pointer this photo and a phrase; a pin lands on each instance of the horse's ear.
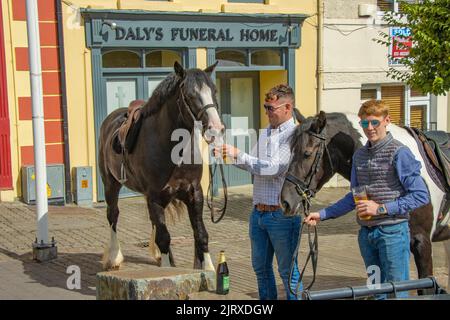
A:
(211, 68)
(322, 120)
(298, 116)
(319, 122)
(179, 70)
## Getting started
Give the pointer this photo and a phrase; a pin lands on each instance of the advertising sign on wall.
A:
(401, 43)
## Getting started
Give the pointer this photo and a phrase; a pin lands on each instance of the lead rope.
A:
(312, 241)
(312, 255)
(210, 193)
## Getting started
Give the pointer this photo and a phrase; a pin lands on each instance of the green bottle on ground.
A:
(223, 278)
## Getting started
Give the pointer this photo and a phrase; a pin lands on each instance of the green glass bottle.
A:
(223, 278)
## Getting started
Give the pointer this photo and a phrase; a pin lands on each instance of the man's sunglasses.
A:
(272, 108)
(365, 123)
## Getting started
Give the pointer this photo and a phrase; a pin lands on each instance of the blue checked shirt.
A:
(268, 162)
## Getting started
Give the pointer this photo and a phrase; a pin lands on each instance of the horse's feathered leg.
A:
(162, 236)
(194, 202)
(112, 257)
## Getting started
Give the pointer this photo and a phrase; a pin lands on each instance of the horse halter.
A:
(186, 105)
(303, 188)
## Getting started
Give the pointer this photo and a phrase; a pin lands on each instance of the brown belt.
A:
(266, 207)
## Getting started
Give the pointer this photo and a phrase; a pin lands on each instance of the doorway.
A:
(119, 91)
(238, 97)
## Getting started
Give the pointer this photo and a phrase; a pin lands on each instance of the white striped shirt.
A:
(268, 162)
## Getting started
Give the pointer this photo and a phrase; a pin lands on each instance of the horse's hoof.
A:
(110, 267)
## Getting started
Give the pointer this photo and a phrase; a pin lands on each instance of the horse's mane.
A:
(336, 121)
(164, 91)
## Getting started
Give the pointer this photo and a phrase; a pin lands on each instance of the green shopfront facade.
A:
(132, 51)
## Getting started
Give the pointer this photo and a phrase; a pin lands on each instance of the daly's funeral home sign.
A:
(144, 29)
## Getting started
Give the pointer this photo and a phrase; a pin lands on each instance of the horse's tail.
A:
(174, 211)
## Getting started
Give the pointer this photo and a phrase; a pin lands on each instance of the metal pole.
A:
(320, 17)
(362, 291)
(38, 121)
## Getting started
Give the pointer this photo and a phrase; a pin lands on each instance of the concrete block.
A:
(153, 283)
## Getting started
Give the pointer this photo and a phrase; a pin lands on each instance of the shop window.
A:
(231, 58)
(121, 59)
(162, 59)
(266, 58)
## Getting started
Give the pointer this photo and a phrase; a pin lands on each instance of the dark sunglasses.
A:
(272, 108)
(365, 123)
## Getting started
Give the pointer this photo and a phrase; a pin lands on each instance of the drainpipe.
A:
(34, 57)
(320, 13)
(62, 63)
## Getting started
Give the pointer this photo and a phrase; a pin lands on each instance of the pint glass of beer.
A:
(360, 193)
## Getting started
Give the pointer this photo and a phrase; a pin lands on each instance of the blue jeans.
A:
(388, 248)
(272, 232)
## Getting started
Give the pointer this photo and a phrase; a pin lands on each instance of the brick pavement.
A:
(82, 234)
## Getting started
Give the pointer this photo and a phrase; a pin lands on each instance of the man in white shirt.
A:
(270, 231)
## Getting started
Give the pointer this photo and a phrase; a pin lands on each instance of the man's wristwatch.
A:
(381, 209)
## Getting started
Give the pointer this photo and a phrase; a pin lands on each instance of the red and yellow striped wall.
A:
(50, 80)
(15, 48)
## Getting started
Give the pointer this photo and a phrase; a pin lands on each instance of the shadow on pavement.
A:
(322, 283)
(55, 273)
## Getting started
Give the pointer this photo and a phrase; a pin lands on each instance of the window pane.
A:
(417, 93)
(266, 58)
(119, 93)
(400, 4)
(162, 58)
(418, 117)
(231, 58)
(121, 59)
(385, 5)
(367, 94)
(394, 97)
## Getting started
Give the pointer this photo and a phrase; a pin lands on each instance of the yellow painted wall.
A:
(79, 90)
(268, 80)
(79, 70)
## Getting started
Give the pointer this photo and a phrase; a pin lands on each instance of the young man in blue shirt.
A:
(391, 175)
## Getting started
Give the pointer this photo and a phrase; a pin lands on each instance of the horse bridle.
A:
(212, 171)
(305, 192)
(303, 188)
(188, 108)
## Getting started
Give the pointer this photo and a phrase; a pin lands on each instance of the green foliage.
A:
(428, 64)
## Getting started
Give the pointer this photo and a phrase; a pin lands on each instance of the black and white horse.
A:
(324, 145)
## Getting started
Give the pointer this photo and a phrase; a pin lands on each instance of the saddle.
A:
(127, 133)
(435, 147)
